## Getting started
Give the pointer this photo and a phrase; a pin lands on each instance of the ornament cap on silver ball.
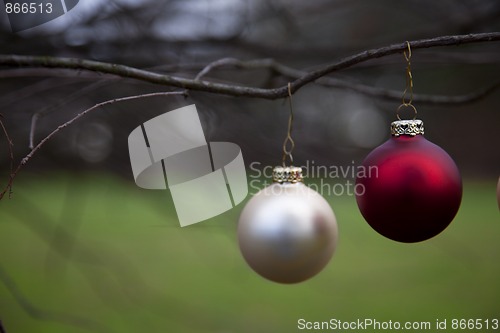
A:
(287, 174)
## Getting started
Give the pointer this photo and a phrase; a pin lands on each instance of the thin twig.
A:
(216, 64)
(11, 159)
(72, 120)
(213, 65)
(44, 111)
(236, 90)
(34, 122)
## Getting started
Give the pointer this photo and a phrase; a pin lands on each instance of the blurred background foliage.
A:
(82, 249)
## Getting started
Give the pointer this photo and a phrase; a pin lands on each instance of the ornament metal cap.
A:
(410, 127)
(289, 174)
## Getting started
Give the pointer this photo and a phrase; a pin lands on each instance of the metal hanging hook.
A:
(289, 144)
(407, 56)
(407, 106)
(407, 98)
(409, 77)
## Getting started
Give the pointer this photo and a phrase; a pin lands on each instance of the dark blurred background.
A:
(83, 249)
(333, 126)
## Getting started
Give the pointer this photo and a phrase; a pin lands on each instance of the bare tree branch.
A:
(235, 90)
(344, 84)
(395, 48)
(11, 158)
(72, 120)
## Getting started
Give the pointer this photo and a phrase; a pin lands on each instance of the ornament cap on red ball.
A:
(413, 190)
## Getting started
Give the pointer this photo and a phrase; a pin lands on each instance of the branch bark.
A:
(236, 90)
(329, 81)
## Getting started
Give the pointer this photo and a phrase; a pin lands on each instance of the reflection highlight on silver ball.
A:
(287, 232)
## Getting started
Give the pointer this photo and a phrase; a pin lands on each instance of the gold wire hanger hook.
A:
(409, 77)
(288, 138)
(409, 85)
(407, 56)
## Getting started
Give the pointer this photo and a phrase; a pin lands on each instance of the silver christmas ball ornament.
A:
(287, 232)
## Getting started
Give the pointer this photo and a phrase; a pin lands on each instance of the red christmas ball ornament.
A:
(412, 189)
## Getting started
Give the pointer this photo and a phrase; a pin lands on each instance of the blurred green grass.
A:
(91, 252)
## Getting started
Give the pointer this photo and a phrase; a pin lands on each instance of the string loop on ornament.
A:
(289, 144)
(407, 106)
